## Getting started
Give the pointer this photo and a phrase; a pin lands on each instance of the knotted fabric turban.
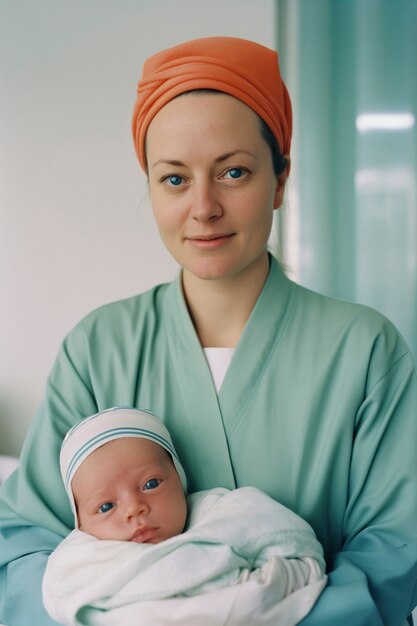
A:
(95, 431)
(238, 67)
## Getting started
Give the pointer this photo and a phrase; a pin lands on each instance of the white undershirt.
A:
(219, 361)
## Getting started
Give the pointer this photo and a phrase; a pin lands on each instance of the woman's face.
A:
(212, 184)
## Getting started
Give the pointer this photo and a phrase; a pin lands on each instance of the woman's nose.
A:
(206, 204)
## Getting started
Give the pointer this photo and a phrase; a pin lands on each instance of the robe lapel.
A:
(262, 333)
(210, 418)
(200, 433)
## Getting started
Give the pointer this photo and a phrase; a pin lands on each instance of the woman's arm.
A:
(23, 554)
(96, 368)
(373, 579)
(34, 509)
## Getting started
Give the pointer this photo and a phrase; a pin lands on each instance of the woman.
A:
(318, 403)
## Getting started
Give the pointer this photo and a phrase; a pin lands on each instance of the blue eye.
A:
(106, 507)
(153, 483)
(174, 180)
(235, 172)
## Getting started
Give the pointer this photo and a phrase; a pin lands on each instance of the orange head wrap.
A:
(241, 68)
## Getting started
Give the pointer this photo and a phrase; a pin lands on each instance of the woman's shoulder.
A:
(141, 303)
(347, 322)
(124, 315)
(339, 312)
(312, 311)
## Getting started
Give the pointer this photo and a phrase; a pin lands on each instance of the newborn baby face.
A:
(129, 490)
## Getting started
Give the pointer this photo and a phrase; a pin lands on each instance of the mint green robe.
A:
(318, 409)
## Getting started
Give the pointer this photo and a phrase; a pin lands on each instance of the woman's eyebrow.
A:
(168, 162)
(228, 155)
(219, 159)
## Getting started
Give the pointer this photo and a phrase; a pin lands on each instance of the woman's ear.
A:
(280, 188)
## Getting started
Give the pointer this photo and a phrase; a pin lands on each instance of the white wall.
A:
(75, 222)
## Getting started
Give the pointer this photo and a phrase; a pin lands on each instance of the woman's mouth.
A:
(210, 242)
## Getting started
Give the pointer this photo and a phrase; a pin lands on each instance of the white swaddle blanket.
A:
(244, 559)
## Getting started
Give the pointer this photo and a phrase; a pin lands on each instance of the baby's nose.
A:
(136, 507)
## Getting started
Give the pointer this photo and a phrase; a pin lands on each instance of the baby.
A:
(144, 552)
(126, 482)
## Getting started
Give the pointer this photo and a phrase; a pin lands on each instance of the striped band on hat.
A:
(95, 431)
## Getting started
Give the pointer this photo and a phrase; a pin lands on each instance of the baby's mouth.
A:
(144, 534)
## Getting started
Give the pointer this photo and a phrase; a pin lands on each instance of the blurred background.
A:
(76, 228)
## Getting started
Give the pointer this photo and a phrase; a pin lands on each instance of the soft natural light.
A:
(393, 179)
(384, 121)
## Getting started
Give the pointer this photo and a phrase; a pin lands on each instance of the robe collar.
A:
(211, 417)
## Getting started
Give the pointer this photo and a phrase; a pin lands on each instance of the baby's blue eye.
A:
(175, 180)
(106, 507)
(235, 172)
(153, 483)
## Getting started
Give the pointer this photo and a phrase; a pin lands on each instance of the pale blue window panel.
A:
(350, 227)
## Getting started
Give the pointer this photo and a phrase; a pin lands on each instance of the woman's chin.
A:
(227, 269)
(209, 271)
